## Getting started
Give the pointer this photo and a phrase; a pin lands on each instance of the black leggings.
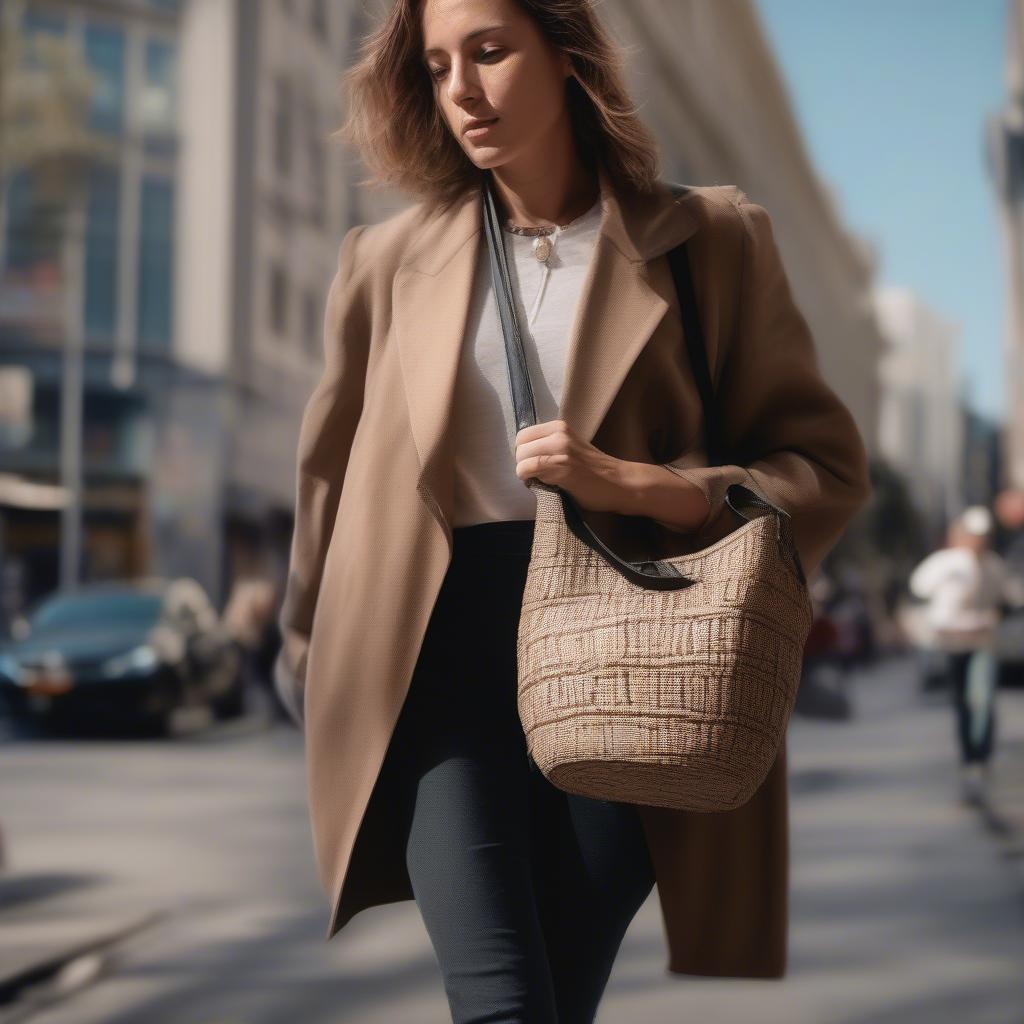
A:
(525, 891)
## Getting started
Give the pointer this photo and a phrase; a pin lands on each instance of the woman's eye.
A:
(438, 73)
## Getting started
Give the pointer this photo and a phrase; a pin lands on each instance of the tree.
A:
(46, 94)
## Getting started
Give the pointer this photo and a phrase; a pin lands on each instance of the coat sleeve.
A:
(325, 439)
(793, 440)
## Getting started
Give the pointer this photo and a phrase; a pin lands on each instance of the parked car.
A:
(122, 651)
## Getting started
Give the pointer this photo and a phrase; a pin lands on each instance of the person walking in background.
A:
(967, 585)
(250, 617)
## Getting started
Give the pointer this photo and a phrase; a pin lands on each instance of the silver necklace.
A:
(544, 237)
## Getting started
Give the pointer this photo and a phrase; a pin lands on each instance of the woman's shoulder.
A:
(723, 207)
(369, 254)
(722, 215)
(385, 240)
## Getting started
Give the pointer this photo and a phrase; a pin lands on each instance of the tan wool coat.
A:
(373, 529)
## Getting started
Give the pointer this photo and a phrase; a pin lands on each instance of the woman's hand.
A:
(555, 455)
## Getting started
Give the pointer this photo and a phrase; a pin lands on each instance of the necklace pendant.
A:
(542, 248)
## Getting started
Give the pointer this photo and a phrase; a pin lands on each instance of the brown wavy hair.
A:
(395, 124)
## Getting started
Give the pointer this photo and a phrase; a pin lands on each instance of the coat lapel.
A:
(619, 309)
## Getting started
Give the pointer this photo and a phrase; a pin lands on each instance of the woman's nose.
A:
(460, 88)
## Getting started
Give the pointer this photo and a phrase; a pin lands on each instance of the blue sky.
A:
(892, 96)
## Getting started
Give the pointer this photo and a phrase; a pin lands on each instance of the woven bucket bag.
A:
(668, 682)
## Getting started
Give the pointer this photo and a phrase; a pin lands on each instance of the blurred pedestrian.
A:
(967, 586)
(250, 617)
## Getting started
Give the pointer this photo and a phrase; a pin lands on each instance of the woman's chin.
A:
(486, 157)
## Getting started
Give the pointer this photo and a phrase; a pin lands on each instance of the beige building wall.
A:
(203, 270)
(921, 422)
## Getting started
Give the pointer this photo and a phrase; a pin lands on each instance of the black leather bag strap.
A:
(518, 371)
(679, 261)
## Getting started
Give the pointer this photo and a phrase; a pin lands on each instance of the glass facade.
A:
(34, 229)
(101, 242)
(158, 100)
(37, 20)
(36, 23)
(104, 52)
(156, 230)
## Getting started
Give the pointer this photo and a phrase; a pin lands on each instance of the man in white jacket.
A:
(967, 585)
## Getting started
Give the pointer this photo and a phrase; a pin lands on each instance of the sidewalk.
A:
(905, 904)
(62, 922)
(1005, 816)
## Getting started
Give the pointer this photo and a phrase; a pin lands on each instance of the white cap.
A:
(977, 520)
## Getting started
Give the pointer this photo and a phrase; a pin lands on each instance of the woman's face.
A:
(488, 59)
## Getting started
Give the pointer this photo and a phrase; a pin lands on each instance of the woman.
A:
(413, 520)
(967, 585)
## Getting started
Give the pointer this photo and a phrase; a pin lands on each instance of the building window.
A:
(104, 52)
(317, 160)
(34, 229)
(311, 326)
(36, 19)
(158, 101)
(43, 22)
(278, 300)
(282, 125)
(101, 243)
(318, 18)
(156, 236)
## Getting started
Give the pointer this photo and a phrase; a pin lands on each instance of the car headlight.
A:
(10, 667)
(138, 659)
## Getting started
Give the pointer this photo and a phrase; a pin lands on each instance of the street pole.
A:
(71, 390)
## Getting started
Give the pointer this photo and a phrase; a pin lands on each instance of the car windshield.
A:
(115, 609)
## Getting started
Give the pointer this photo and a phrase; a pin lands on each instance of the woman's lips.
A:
(482, 129)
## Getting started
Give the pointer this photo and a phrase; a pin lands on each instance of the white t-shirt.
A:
(964, 591)
(486, 486)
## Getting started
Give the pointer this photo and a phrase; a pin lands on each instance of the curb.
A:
(13, 983)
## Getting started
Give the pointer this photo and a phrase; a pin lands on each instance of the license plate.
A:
(49, 683)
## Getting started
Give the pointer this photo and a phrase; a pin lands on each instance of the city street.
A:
(906, 906)
(258, 360)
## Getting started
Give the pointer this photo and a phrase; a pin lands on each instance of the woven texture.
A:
(670, 698)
